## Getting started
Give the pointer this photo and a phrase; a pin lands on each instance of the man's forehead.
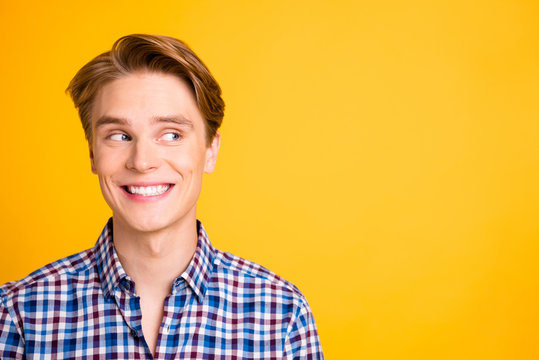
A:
(167, 93)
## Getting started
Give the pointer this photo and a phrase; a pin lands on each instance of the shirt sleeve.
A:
(11, 342)
(302, 341)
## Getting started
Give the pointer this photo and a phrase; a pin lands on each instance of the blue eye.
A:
(171, 136)
(119, 137)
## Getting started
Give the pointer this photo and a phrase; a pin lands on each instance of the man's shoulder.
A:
(60, 270)
(247, 276)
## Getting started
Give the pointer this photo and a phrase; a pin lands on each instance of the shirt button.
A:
(133, 333)
(127, 285)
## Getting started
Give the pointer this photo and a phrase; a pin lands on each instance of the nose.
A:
(143, 156)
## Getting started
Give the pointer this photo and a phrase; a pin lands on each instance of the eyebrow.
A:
(179, 120)
(105, 120)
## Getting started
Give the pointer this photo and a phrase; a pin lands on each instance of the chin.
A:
(148, 219)
(147, 227)
(147, 224)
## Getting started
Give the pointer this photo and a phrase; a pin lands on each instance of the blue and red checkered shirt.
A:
(221, 307)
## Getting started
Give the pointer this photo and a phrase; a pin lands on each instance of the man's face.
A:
(149, 150)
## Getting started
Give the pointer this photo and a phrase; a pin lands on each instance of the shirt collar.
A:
(109, 267)
(196, 275)
(199, 270)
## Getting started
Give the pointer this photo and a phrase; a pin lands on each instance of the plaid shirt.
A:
(221, 307)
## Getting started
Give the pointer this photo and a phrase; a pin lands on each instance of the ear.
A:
(92, 163)
(211, 153)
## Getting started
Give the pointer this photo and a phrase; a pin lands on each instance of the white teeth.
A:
(148, 190)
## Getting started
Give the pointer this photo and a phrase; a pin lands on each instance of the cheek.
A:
(107, 164)
(187, 161)
(187, 167)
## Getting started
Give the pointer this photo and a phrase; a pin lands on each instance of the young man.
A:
(153, 286)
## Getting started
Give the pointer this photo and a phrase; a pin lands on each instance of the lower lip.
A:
(149, 198)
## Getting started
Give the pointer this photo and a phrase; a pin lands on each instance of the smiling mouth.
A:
(147, 190)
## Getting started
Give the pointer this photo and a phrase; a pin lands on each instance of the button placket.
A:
(129, 307)
(166, 326)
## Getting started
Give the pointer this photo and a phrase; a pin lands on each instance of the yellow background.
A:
(381, 155)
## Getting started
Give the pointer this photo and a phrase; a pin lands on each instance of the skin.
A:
(148, 130)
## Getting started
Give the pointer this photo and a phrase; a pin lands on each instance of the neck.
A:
(154, 259)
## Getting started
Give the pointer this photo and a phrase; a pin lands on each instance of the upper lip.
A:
(148, 183)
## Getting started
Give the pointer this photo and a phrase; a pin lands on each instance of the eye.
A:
(119, 137)
(171, 136)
